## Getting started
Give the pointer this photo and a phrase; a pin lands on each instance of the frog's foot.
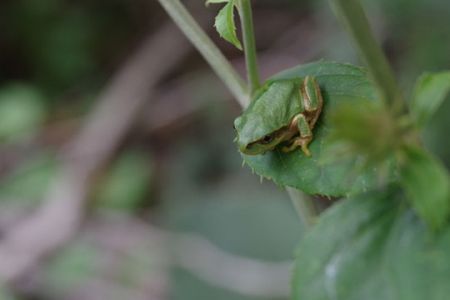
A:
(301, 142)
(301, 124)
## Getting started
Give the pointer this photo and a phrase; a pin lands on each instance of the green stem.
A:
(249, 44)
(304, 206)
(207, 48)
(354, 18)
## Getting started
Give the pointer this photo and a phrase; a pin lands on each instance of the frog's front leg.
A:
(305, 136)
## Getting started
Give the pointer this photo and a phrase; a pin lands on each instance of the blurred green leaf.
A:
(72, 266)
(225, 24)
(435, 134)
(6, 295)
(21, 111)
(127, 183)
(27, 184)
(371, 247)
(366, 129)
(54, 41)
(341, 84)
(427, 185)
(188, 287)
(430, 91)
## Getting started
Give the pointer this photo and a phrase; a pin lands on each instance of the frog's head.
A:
(266, 143)
(263, 125)
(252, 140)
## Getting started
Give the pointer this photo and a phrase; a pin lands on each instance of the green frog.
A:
(284, 113)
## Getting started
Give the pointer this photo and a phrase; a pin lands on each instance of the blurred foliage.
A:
(5, 295)
(21, 112)
(382, 251)
(427, 184)
(190, 288)
(435, 134)
(70, 268)
(26, 185)
(125, 186)
(61, 44)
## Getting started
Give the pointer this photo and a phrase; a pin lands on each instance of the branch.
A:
(355, 20)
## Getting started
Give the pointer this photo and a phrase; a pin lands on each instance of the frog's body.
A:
(285, 111)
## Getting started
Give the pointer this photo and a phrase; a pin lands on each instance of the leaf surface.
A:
(430, 91)
(427, 184)
(323, 173)
(371, 247)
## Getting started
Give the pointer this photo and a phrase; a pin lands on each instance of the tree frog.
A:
(284, 112)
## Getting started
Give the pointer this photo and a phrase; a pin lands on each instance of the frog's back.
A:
(273, 109)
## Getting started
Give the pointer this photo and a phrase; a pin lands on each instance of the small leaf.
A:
(341, 84)
(427, 185)
(225, 24)
(372, 247)
(430, 91)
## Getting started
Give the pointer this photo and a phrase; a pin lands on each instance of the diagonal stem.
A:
(207, 48)
(355, 20)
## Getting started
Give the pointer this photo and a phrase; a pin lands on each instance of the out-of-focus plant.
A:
(126, 184)
(21, 112)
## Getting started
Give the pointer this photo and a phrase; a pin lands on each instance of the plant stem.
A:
(355, 20)
(304, 206)
(207, 48)
(249, 44)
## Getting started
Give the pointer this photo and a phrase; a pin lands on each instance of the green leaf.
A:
(341, 84)
(225, 24)
(371, 247)
(427, 185)
(430, 91)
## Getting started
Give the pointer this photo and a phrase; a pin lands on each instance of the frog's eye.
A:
(267, 139)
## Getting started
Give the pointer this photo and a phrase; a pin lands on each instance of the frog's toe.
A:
(290, 148)
(306, 150)
(299, 142)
